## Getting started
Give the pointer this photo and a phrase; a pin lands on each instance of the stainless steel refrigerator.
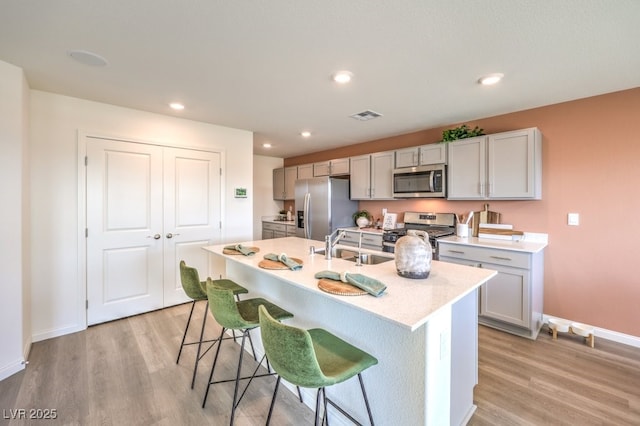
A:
(322, 206)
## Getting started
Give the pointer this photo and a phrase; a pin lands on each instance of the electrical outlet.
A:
(384, 211)
(573, 219)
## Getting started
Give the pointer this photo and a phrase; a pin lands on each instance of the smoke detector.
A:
(366, 115)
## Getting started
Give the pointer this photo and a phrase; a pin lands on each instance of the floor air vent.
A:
(366, 115)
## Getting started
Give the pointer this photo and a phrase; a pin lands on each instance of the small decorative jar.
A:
(413, 255)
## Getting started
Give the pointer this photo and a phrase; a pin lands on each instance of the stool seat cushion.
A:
(338, 359)
(240, 315)
(310, 358)
(226, 284)
(197, 290)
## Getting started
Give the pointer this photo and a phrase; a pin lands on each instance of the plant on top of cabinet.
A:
(461, 132)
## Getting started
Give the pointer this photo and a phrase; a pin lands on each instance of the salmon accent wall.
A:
(591, 166)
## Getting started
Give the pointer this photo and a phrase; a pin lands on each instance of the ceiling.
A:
(265, 66)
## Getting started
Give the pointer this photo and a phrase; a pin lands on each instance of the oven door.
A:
(388, 247)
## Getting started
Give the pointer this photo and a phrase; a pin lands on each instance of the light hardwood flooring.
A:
(124, 373)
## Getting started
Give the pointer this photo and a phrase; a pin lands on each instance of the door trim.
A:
(83, 137)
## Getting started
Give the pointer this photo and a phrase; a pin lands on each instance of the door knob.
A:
(170, 235)
(155, 237)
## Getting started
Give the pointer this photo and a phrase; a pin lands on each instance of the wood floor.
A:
(124, 373)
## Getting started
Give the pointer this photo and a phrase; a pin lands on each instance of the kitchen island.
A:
(423, 332)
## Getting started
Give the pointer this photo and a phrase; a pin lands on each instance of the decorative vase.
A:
(413, 255)
(362, 222)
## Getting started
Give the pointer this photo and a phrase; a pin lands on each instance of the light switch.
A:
(573, 219)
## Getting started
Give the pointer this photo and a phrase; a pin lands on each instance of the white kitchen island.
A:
(423, 332)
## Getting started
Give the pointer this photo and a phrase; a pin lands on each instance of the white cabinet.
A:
(284, 182)
(435, 153)
(503, 166)
(511, 301)
(331, 168)
(371, 176)
(277, 230)
(305, 171)
(369, 240)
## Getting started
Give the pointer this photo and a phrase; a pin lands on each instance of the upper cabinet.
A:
(331, 168)
(284, 182)
(505, 166)
(435, 153)
(371, 176)
(305, 171)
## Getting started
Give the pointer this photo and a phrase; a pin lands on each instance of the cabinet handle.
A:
(455, 251)
(501, 258)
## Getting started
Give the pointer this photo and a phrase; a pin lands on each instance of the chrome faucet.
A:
(359, 259)
(330, 241)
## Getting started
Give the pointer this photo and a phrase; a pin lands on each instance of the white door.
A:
(124, 223)
(148, 207)
(191, 215)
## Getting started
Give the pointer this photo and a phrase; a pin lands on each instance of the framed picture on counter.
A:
(390, 221)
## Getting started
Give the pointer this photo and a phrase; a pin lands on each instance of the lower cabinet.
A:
(369, 241)
(277, 230)
(511, 301)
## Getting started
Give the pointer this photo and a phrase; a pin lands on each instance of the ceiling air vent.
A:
(366, 115)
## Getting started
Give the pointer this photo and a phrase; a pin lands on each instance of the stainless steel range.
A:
(437, 225)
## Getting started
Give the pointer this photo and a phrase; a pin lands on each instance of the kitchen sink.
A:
(365, 258)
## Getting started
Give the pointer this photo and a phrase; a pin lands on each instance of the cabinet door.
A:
(305, 171)
(505, 297)
(279, 234)
(322, 169)
(381, 175)
(407, 157)
(514, 169)
(435, 153)
(278, 184)
(267, 234)
(360, 182)
(339, 167)
(467, 169)
(290, 176)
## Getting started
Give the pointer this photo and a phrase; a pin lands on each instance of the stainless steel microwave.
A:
(420, 182)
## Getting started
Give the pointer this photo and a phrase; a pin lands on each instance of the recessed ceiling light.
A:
(490, 79)
(177, 106)
(342, 77)
(266, 145)
(305, 134)
(87, 58)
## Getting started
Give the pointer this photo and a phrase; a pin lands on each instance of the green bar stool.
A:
(197, 290)
(243, 317)
(312, 358)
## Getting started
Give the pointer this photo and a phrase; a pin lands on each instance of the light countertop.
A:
(406, 302)
(283, 222)
(524, 245)
(375, 231)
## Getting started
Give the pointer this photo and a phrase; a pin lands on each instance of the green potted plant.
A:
(461, 132)
(361, 218)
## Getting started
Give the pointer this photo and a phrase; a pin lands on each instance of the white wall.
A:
(14, 220)
(55, 123)
(263, 202)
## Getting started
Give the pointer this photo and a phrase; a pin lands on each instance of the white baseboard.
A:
(50, 334)
(614, 336)
(11, 369)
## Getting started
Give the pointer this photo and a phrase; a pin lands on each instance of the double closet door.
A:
(148, 207)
